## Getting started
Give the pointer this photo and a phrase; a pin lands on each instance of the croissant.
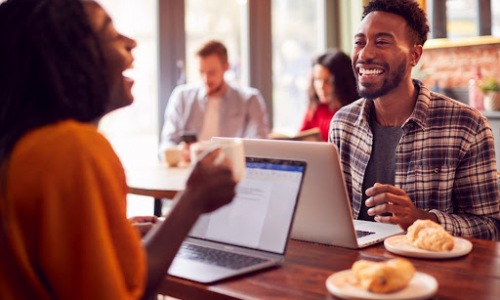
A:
(428, 235)
(383, 277)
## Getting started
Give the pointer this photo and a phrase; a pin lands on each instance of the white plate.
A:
(421, 286)
(396, 244)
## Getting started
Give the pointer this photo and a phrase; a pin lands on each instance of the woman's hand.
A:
(210, 185)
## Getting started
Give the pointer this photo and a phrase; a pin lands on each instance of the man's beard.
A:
(388, 84)
(217, 89)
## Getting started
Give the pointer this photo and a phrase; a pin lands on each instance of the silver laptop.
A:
(324, 212)
(249, 234)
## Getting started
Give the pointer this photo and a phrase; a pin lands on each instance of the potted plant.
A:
(491, 90)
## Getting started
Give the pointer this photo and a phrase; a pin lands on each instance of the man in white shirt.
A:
(215, 107)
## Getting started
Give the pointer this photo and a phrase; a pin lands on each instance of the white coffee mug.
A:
(231, 149)
(173, 156)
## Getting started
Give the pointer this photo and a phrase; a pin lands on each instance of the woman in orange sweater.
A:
(333, 85)
(64, 232)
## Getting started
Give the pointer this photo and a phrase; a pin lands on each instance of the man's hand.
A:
(386, 198)
(185, 154)
(143, 223)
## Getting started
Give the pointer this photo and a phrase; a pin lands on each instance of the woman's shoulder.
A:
(67, 132)
(62, 141)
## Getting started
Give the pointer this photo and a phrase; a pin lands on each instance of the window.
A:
(136, 125)
(221, 20)
(296, 37)
(133, 130)
(495, 18)
(298, 34)
(462, 17)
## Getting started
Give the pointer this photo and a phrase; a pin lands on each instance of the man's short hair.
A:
(213, 47)
(409, 10)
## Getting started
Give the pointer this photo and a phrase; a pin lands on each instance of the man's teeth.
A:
(369, 71)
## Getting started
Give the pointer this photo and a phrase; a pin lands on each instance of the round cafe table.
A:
(158, 181)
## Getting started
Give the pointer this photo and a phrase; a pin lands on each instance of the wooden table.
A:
(157, 181)
(307, 266)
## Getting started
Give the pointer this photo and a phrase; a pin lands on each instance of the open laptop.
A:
(324, 212)
(250, 233)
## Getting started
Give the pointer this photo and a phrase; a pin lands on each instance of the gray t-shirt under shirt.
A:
(382, 162)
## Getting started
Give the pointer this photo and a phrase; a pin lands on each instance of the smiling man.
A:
(408, 153)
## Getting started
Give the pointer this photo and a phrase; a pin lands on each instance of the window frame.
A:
(437, 18)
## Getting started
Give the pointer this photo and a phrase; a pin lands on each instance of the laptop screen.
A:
(261, 214)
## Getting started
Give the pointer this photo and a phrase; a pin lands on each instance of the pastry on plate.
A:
(383, 277)
(428, 235)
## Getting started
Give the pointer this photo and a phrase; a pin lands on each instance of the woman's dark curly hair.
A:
(339, 65)
(409, 10)
(51, 67)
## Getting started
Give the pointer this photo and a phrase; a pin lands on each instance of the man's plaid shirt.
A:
(445, 161)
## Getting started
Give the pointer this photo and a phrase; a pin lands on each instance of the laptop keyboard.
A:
(362, 233)
(217, 257)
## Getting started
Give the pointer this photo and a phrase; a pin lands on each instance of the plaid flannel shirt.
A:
(445, 161)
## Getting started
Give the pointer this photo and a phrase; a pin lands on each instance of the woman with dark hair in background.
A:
(333, 85)
(64, 232)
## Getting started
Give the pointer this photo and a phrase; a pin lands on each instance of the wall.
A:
(451, 66)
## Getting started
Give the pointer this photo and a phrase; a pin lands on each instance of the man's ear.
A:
(417, 51)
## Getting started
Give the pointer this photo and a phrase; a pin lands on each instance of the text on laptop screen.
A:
(260, 215)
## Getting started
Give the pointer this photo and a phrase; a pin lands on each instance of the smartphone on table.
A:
(189, 138)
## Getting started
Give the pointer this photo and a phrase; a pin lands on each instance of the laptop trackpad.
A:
(197, 271)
